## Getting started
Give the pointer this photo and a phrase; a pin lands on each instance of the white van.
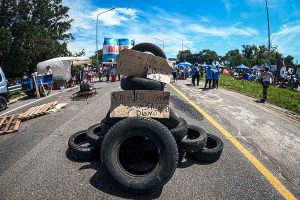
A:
(4, 94)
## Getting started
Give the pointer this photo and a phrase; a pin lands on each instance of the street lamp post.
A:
(97, 33)
(269, 40)
(162, 42)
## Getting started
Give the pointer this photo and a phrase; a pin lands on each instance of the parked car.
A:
(4, 93)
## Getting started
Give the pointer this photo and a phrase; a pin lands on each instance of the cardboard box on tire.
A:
(142, 140)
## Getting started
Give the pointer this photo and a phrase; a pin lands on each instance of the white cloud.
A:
(114, 17)
(143, 26)
(287, 39)
(223, 31)
(227, 4)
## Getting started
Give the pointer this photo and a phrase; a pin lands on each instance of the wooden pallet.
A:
(38, 111)
(9, 124)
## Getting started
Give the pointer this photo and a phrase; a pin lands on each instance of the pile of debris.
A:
(141, 140)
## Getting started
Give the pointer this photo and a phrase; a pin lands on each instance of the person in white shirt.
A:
(267, 78)
(49, 71)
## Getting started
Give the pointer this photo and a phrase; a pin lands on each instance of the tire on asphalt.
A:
(94, 135)
(85, 87)
(3, 103)
(80, 148)
(105, 127)
(149, 47)
(140, 154)
(45, 91)
(138, 83)
(180, 130)
(112, 120)
(211, 152)
(195, 139)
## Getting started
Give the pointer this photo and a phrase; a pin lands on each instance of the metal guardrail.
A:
(15, 88)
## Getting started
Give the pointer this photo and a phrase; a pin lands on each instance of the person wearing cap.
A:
(267, 78)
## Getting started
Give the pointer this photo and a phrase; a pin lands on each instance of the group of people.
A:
(87, 73)
(197, 72)
(212, 77)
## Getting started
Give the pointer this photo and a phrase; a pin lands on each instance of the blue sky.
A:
(220, 25)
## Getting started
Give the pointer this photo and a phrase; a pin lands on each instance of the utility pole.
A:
(97, 51)
(269, 39)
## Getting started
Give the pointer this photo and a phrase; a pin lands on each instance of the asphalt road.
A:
(35, 163)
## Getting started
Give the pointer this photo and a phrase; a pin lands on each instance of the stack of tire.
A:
(142, 154)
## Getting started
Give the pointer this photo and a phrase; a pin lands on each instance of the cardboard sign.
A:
(152, 74)
(143, 103)
(135, 63)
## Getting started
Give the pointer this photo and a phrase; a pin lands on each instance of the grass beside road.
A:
(285, 98)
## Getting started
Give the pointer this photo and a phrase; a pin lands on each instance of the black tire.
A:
(3, 103)
(45, 91)
(105, 127)
(132, 140)
(149, 47)
(211, 152)
(171, 122)
(138, 83)
(180, 131)
(195, 140)
(112, 120)
(181, 155)
(85, 87)
(80, 152)
(94, 135)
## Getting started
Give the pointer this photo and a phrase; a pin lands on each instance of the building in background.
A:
(112, 47)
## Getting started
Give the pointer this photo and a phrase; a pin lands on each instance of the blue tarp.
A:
(184, 64)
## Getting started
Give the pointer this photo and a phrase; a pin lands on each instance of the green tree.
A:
(182, 55)
(288, 61)
(38, 30)
(94, 57)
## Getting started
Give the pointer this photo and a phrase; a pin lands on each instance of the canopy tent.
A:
(256, 67)
(61, 66)
(225, 72)
(243, 67)
(184, 64)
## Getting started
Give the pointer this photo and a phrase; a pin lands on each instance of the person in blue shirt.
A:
(195, 74)
(216, 77)
(208, 76)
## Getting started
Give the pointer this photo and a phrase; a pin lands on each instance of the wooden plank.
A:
(38, 95)
(17, 125)
(47, 107)
(32, 111)
(28, 111)
(9, 123)
(38, 111)
(3, 120)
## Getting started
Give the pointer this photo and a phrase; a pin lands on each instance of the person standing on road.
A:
(107, 71)
(100, 72)
(194, 74)
(73, 75)
(208, 77)
(267, 78)
(174, 73)
(216, 77)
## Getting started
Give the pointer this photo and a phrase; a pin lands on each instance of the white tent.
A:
(61, 66)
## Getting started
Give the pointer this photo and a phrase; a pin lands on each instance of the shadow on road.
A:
(103, 182)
